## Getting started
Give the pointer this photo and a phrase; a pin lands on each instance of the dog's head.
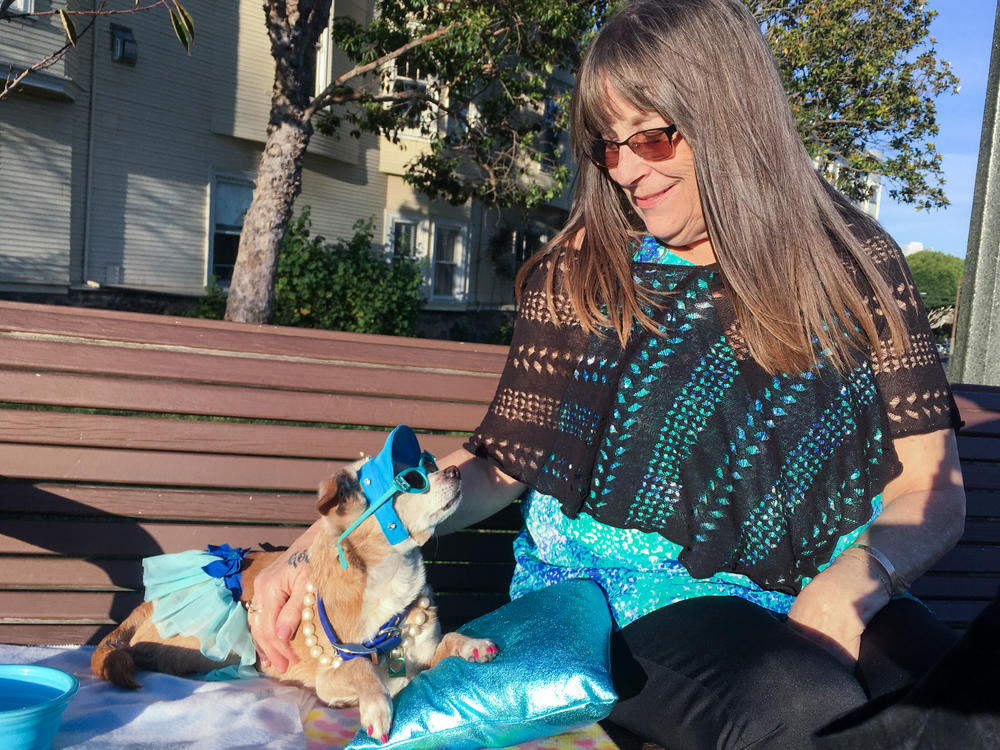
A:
(342, 502)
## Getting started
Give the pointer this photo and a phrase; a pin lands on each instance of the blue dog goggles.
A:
(381, 481)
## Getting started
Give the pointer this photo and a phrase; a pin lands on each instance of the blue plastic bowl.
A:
(32, 700)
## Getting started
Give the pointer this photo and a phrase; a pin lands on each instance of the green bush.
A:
(213, 304)
(344, 286)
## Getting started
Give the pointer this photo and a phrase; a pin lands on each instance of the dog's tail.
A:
(112, 659)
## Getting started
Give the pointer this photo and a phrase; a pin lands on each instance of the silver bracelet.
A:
(897, 584)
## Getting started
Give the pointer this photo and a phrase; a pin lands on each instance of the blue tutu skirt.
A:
(189, 601)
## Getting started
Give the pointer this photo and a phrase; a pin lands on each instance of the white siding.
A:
(35, 154)
(338, 195)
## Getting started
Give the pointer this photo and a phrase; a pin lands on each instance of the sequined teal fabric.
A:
(552, 675)
(638, 571)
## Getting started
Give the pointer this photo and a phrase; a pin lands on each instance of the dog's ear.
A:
(333, 491)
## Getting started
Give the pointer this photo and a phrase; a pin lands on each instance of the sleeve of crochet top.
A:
(913, 385)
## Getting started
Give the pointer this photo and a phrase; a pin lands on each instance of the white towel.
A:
(170, 712)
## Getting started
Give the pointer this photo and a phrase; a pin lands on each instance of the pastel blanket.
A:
(172, 712)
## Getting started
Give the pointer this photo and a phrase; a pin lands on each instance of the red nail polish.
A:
(385, 738)
(371, 731)
(475, 653)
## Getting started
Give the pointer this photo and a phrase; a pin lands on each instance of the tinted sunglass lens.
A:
(654, 145)
(604, 154)
(415, 480)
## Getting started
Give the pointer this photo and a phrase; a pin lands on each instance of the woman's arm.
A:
(279, 588)
(923, 518)
(485, 490)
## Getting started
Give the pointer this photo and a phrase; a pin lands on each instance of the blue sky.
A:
(964, 33)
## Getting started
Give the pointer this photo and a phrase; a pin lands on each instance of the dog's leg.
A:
(357, 681)
(112, 659)
(470, 649)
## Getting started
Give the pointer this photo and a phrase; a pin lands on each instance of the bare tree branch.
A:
(324, 99)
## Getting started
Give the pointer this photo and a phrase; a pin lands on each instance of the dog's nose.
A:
(452, 472)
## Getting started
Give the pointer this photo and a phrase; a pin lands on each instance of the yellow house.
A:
(128, 164)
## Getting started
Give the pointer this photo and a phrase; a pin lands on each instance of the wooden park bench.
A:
(126, 435)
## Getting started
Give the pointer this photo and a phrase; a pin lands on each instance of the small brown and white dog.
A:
(373, 594)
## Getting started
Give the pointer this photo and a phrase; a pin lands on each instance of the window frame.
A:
(425, 237)
(461, 266)
(219, 179)
(421, 81)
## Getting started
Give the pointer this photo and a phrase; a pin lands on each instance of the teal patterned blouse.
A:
(638, 571)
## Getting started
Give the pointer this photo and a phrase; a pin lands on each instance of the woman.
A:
(738, 425)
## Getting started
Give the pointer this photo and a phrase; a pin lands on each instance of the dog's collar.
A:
(382, 477)
(387, 638)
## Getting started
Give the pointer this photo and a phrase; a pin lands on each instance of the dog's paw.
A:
(478, 650)
(376, 717)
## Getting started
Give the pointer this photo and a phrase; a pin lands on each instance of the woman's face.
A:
(664, 193)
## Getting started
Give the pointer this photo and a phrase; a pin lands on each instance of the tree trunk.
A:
(294, 27)
(279, 181)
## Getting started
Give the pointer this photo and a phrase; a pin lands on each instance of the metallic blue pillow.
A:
(552, 675)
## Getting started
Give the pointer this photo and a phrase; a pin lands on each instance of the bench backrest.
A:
(125, 435)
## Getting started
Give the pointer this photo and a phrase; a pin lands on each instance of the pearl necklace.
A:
(411, 626)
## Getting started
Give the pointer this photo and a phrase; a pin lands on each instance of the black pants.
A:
(720, 672)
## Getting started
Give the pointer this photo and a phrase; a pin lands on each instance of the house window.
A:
(124, 48)
(324, 59)
(21, 6)
(404, 239)
(439, 247)
(230, 203)
(447, 263)
(410, 79)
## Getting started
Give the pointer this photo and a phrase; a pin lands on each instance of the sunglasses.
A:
(652, 145)
(414, 479)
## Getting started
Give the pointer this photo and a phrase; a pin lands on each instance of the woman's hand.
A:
(836, 606)
(923, 518)
(277, 600)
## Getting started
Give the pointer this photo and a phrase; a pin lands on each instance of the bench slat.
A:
(248, 338)
(190, 435)
(228, 369)
(976, 397)
(957, 614)
(63, 572)
(27, 572)
(983, 504)
(979, 447)
(981, 423)
(980, 475)
(75, 539)
(91, 606)
(189, 505)
(82, 391)
(968, 558)
(55, 463)
(53, 634)
(159, 504)
(956, 586)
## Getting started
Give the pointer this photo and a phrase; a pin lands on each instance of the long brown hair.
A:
(781, 236)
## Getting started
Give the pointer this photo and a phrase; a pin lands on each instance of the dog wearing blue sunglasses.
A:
(368, 621)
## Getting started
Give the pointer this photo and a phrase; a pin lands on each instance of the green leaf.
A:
(186, 19)
(180, 30)
(68, 26)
